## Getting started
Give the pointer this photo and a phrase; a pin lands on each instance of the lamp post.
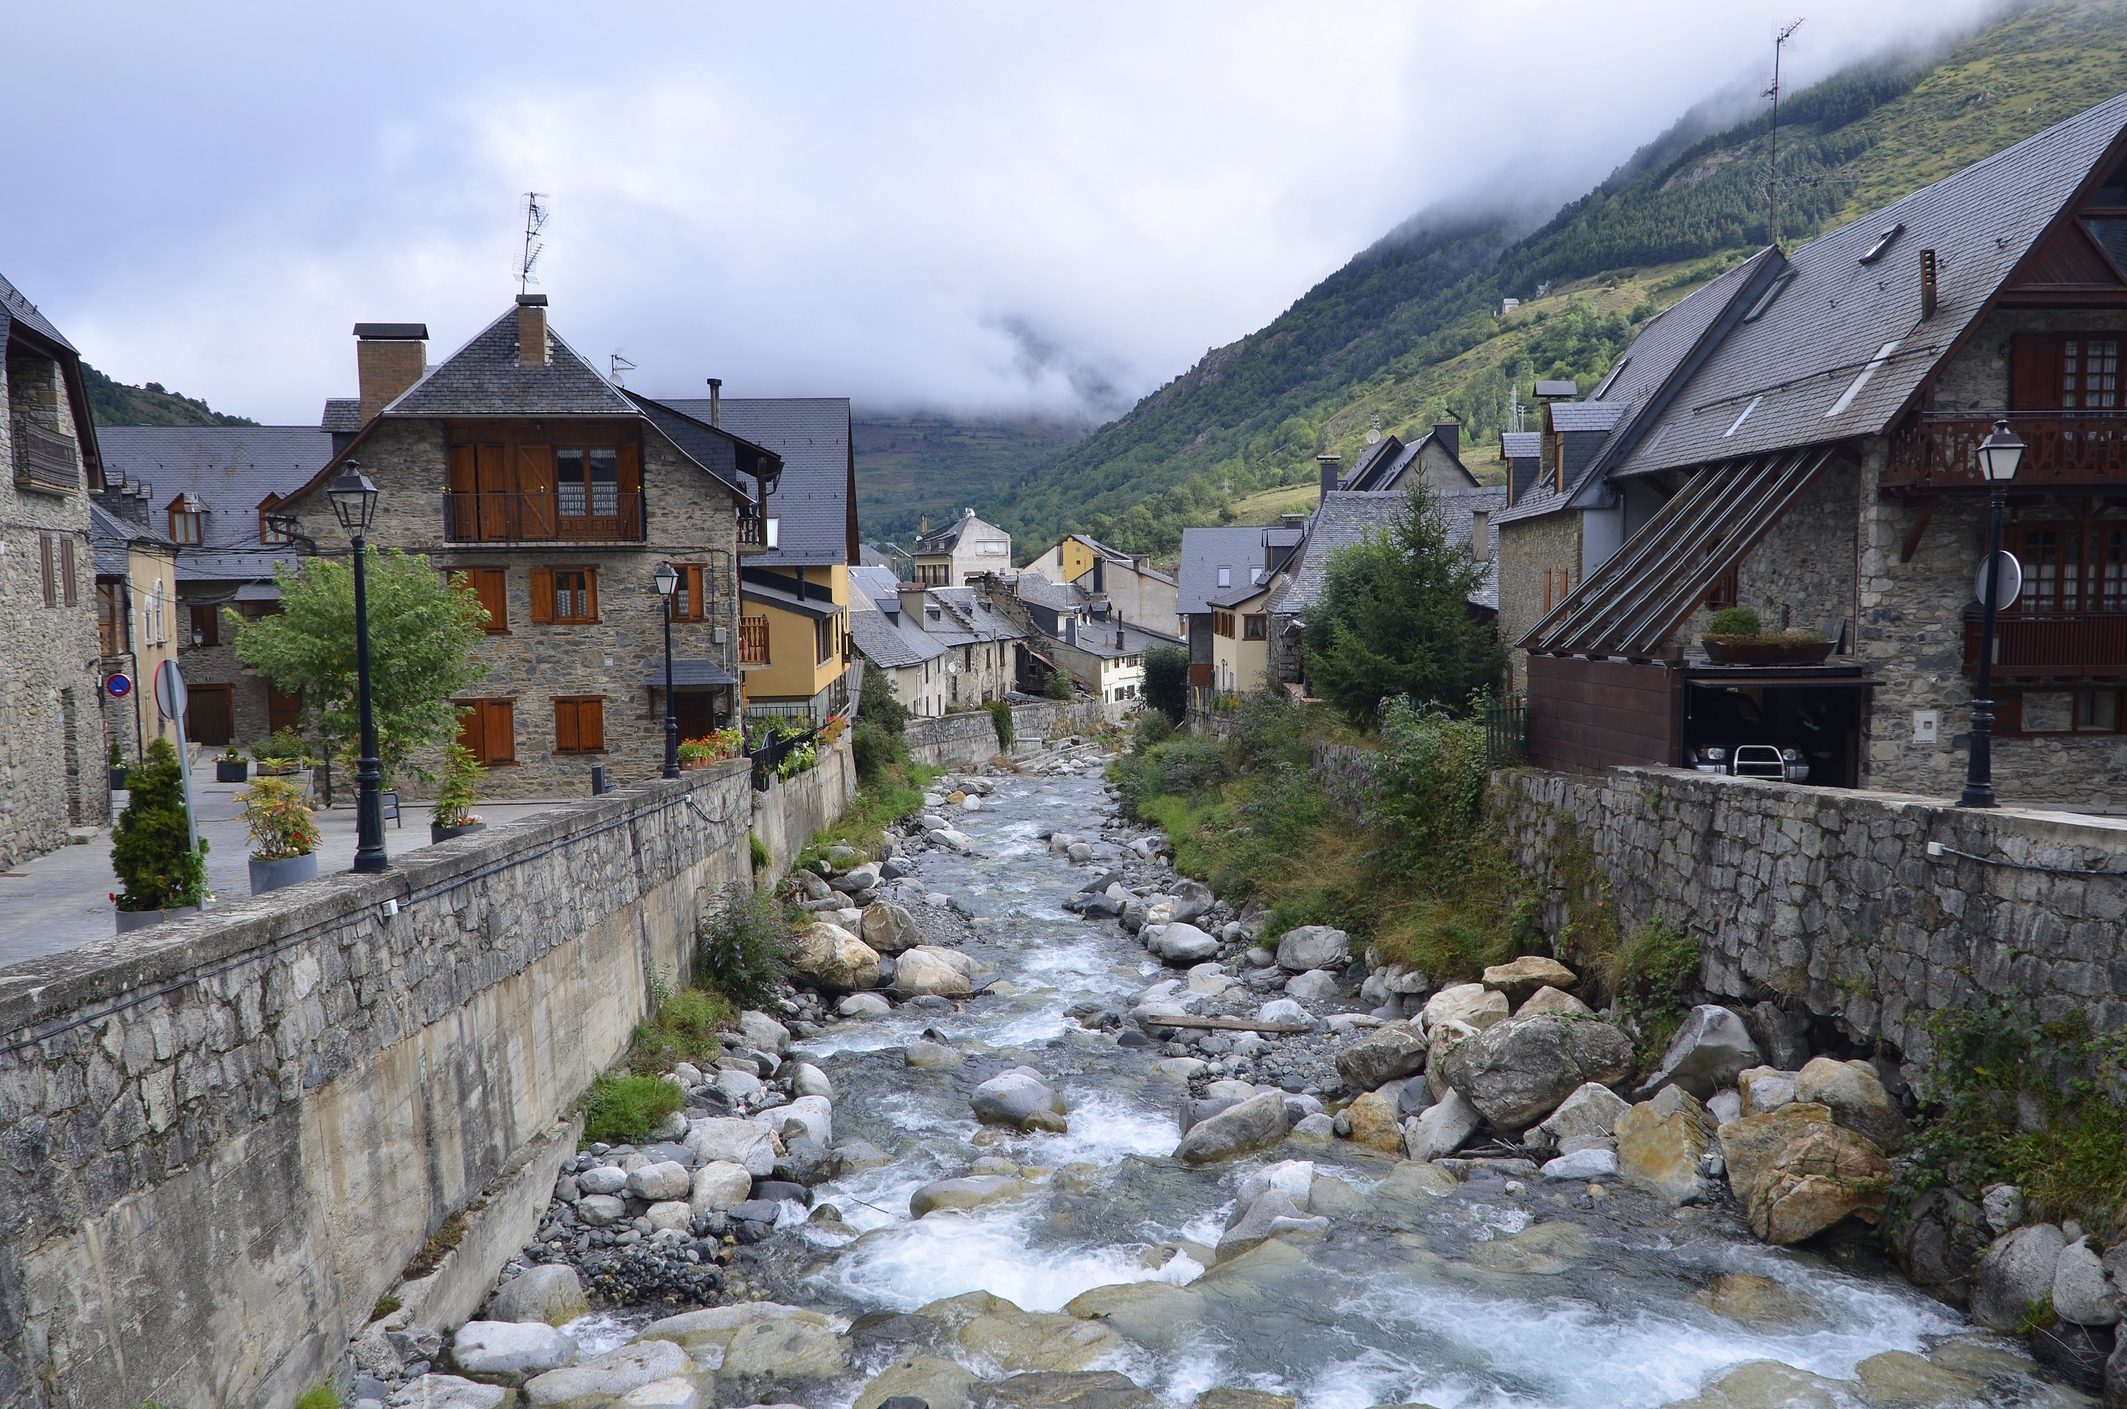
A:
(354, 503)
(667, 583)
(1998, 457)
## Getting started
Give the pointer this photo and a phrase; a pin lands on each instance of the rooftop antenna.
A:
(535, 220)
(1373, 432)
(617, 365)
(1772, 173)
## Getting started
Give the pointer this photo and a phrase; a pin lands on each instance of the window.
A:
(489, 729)
(206, 626)
(1723, 592)
(1222, 623)
(2070, 567)
(823, 639)
(753, 640)
(2065, 372)
(151, 617)
(567, 596)
(690, 600)
(56, 569)
(1225, 577)
(185, 520)
(1255, 627)
(492, 587)
(274, 526)
(579, 724)
(2060, 712)
(587, 482)
(2090, 374)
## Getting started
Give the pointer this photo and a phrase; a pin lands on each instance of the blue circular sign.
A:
(119, 685)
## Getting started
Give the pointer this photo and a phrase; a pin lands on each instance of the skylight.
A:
(1883, 242)
(1765, 300)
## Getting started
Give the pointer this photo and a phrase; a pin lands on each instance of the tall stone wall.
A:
(787, 815)
(1831, 898)
(954, 740)
(221, 1139)
(1053, 720)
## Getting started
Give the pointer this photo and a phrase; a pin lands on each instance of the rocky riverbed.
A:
(1069, 1130)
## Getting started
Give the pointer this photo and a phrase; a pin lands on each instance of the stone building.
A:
(893, 642)
(554, 495)
(1064, 627)
(965, 548)
(1805, 429)
(1137, 591)
(52, 747)
(1218, 563)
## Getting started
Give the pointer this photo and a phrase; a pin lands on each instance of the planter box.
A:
(131, 920)
(436, 834)
(1722, 652)
(283, 871)
(118, 779)
(227, 772)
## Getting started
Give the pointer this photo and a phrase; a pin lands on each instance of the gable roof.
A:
(1204, 552)
(1348, 516)
(968, 621)
(889, 644)
(16, 307)
(1521, 445)
(813, 500)
(727, 457)
(228, 469)
(484, 378)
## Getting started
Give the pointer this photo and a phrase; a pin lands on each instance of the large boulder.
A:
(1062, 1389)
(1826, 1174)
(1552, 1000)
(1749, 1145)
(1899, 1379)
(720, 1184)
(1150, 1313)
(1181, 945)
(1441, 1128)
(2081, 1292)
(1710, 1050)
(857, 878)
(833, 958)
(1313, 947)
(1255, 1124)
(1389, 1051)
(610, 1375)
(666, 1179)
(1469, 1003)
(1271, 1211)
(2015, 1275)
(931, 969)
(1765, 1088)
(2076, 1353)
(1016, 1340)
(889, 928)
(739, 1142)
(1661, 1143)
(763, 1033)
(1516, 1072)
(510, 1348)
(1592, 1162)
(1587, 1116)
(1941, 1235)
(968, 1191)
(940, 1384)
(1373, 1123)
(1191, 901)
(1856, 1097)
(813, 1117)
(786, 1347)
(1770, 1384)
(1521, 979)
(1020, 1098)
(1440, 1039)
(717, 1325)
(548, 1292)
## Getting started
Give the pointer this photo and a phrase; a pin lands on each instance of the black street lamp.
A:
(354, 503)
(667, 583)
(1998, 457)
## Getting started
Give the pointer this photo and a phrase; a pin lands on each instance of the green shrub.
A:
(1167, 681)
(1001, 712)
(318, 1397)
(876, 703)
(1431, 775)
(1649, 976)
(1733, 621)
(1153, 727)
(1060, 687)
(462, 773)
(762, 858)
(739, 951)
(625, 1109)
(872, 747)
(684, 1027)
(150, 849)
(1269, 730)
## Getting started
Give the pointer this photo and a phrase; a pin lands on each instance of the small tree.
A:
(1167, 681)
(151, 850)
(1394, 619)
(422, 632)
(1060, 686)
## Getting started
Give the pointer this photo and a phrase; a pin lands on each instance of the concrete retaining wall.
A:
(955, 740)
(1053, 720)
(221, 1139)
(1830, 897)
(793, 809)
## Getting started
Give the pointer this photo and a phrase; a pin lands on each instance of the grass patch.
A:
(683, 1027)
(623, 1110)
(1650, 975)
(892, 793)
(384, 1307)
(319, 1397)
(447, 1236)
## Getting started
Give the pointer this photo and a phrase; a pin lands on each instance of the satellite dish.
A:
(1373, 432)
(2007, 589)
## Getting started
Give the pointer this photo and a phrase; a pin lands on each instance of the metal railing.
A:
(540, 518)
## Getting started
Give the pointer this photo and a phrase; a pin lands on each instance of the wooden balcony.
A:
(2080, 450)
(753, 641)
(2081, 646)
(542, 518)
(753, 532)
(44, 459)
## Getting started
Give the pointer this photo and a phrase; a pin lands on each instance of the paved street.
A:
(63, 899)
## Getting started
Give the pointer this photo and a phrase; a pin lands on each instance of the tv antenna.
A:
(1772, 172)
(535, 220)
(619, 364)
(1373, 432)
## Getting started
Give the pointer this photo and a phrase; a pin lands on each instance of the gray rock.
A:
(600, 1210)
(719, 1185)
(1591, 1163)
(808, 1080)
(1192, 899)
(433, 1391)
(1318, 1128)
(1194, 1111)
(549, 1292)
(758, 1210)
(1259, 959)
(1021, 1098)
(610, 1375)
(1781, 1035)
(1183, 945)
(1857, 1100)
(1471, 1004)
(1254, 1124)
(1518, 1071)
(2080, 1291)
(1392, 1050)
(602, 1179)
(1441, 1128)
(1313, 986)
(1283, 1010)
(1710, 1050)
(667, 1179)
(764, 1032)
(812, 887)
(863, 1005)
(1313, 947)
(860, 878)
(1938, 1238)
(2003, 1206)
(1271, 1211)
(1590, 1113)
(2015, 1275)
(740, 1142)
(510, 1348)
(889, 928)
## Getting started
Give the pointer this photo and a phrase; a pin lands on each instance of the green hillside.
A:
(116, 404)
(934, 464)
(1411, 329)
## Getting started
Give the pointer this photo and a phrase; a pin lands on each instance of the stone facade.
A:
(1829, 899)
(219, 1144)
(52, 748)
(1528, 549)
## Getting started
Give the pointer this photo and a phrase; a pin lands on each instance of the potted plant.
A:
(232, 767)
(118, 768)
(284, 840)
(713, 747)
(282, 754)
(151, 852)
(452, 815)
(1733, 637)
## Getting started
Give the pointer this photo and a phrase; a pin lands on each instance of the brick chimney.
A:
(531, 330)
(389, 358)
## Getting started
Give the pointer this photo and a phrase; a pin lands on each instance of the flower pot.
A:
(118, 780)
(131, 920)
(436, 833)
(226, 771)
(1730, 651)
(282, 871)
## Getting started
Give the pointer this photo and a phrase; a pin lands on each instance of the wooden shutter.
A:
(465, 475)
(500, 719)
(68, 588)
(2035, 373)
(2009, 714)
(567, 737)
(470, 729)
(535, 488)
(542, 594)
(45, 568)
(697, 604)
(591, 725)
(590, 593)
(492, 587)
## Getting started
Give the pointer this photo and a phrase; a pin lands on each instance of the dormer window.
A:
(185, 520)
(1225, 577)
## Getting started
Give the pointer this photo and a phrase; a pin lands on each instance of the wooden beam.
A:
(1923, 514)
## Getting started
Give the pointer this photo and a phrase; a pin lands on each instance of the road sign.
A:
(171, 696)
(2008, 589)
(120, 685)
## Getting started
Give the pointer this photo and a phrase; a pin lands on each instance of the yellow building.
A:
(1138, 593)
(136, 624)
(1240, 638)
(794, 647)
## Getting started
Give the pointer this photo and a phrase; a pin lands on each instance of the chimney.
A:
(1070, 631)
(389, 358)
(1330, 469)
(1449, 434)
(531, 330)
(1481, 534)
(911, 595)
(1118, 638)
(716, 401)
(1927, 285)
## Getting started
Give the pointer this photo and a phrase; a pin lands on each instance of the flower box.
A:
(441, 834)
(232, 770)
(1742, 650)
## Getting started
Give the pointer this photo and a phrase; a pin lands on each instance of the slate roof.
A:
(1098, 639)
(1122, 559)
(14, 307)
(728, 457)
(1204, 551)
(1035, 587)
(1568, 416)
(891, 645)
(1345, 518)
(484, 378)
(967, 621)
(1521, 445)
(877, 583)
(811, 434)
(686, 670)
(342, 413)
(1842, 349)
(229, 469)
(110, 537)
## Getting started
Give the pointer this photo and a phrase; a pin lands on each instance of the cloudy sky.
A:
(978, 206)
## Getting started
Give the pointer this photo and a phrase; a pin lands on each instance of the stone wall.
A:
(793, 809)
(954, 740)
(220, 1140)
(1056, 719)
(1527, 548)
(1830, 898)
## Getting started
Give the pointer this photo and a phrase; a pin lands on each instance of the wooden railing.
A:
(753, 640)
(753, 530)
(539, 518)
(1942, 452)
(44, 459)
(2082, 646)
